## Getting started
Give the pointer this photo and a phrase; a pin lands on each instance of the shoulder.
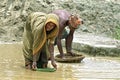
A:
(63, 14)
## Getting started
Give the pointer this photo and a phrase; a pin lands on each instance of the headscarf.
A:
(40, 34)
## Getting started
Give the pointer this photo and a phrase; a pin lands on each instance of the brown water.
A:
(91, 68)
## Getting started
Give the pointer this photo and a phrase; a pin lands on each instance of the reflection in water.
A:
(91, 68)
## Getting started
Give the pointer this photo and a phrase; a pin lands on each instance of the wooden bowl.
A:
(77, 58)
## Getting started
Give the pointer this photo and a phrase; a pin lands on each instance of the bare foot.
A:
(28, 66)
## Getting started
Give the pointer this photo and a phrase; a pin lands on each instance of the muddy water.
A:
(91, 68)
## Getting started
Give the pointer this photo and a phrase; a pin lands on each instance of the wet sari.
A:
(35, 38)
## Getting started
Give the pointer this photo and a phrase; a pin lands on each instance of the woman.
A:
(38, 40)
(71, 22)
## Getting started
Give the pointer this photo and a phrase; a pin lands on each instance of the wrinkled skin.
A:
(66, 19)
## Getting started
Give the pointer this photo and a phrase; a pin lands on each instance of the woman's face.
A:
(75, 21)
(49, 26)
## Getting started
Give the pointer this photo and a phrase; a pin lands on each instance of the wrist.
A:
(34, 60)
(34, 63)
(52, 60)
(69, 51)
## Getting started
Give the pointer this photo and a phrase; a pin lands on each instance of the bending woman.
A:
(38, 40)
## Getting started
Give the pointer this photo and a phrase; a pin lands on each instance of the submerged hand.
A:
(54, 64)
(34, 65)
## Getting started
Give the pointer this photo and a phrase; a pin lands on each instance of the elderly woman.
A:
(38, 40)
(66, 20)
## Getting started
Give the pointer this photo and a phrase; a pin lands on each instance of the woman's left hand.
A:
(54, 64)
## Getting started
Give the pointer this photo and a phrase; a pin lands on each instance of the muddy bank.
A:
(100, 16)
(96, 45)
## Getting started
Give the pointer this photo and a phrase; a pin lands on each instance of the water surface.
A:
(91, 68)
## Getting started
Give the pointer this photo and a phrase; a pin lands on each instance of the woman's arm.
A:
(51, 49)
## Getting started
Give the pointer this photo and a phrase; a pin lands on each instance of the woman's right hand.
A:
(34, 66)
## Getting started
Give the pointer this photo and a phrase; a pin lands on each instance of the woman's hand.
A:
(71, 53)
(34, 66)
(54, 64)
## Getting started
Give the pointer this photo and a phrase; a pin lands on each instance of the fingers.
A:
(34, 67)
(62, 56)
(54, 65)
(71, 53)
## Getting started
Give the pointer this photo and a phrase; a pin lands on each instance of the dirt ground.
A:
(101, 17)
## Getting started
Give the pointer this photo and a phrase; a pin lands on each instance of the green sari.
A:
(35, 38)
